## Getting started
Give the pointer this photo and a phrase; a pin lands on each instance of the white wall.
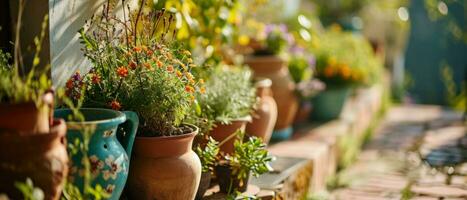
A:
(66, 18)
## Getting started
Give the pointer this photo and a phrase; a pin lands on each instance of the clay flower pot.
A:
(226, 133)
(109, 147)
(283, 87)
(203, 185)
(164, 168)
(27, 118)
(265, 115)
(41, 157)
(228, 181)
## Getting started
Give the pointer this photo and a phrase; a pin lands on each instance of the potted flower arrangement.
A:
(137, 67)
(266, 62)
(34, 142)
(343, 61)
(226, 104)
(301, 68)
(250, 157)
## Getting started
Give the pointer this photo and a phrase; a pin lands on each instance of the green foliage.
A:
(208, 154)
(229, 95)
(137, 68)
(30, 87)
(336, 9)
(29, 191)
(299, 68)
(346, 59)
(249, 157)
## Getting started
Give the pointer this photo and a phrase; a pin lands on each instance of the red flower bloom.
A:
(122, 72)
(96, 79)
(132, 65)
(115, 105)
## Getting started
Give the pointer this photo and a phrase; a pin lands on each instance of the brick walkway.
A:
(389, 166)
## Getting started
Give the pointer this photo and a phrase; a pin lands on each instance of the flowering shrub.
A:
(274, 39)
(346, 59)
(137, 67)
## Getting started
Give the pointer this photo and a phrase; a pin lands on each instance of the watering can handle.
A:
(129, 127)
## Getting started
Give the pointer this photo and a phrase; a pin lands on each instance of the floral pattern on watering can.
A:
(109, 149)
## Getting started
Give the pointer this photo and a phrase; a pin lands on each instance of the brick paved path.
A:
(390, 168)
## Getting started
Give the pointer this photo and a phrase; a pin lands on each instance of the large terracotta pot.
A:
(27, 118)
(265, 115)
(109, 149)
(283, 87)
(41, 157)
(225, 133)
(164, 168)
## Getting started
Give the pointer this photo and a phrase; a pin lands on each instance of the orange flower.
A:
(189, 76)
(115, 105)
(132, 65)
(96, 78)
(201, 81)
(202, 90)
(329, 71)
(170, 68)
(122, 72)
(137, 49)
(159, 63)
(69, 84)
(345, 71)
(189, 89)
(147, 65)
(149, 52)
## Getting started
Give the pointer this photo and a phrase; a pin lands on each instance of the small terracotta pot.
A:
(226, 132)
(283, 87)
(265, 115)
(27, 118)
(303, 112)
(164, 168)
(204, 184)
(41, 157)
(228, 181)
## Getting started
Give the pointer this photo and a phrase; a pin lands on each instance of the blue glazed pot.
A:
(111, 140)
(328, 104)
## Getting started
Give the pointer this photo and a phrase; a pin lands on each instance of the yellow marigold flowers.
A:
(179, 74)
(201, 81)
(345, 71)
(147, 65)
(115, 105)
(192, 97)
(202, 90)
(186, 52)
(122, 72)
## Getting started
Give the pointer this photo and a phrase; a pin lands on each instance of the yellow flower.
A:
(243, 40)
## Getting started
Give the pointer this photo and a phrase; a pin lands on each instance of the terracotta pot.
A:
(283, 87)
(226, 132)
(164, 168)
(265, 115)
(303, 112)
(204, 184)
(27, 118)
(41, 157)
(228, 181)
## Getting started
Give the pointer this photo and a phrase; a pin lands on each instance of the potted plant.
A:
(301, 68)
(34, 142)
(249, 158)
(227, 103)
(343, 61)
(208, 155)
(137, 67)
(265, 62)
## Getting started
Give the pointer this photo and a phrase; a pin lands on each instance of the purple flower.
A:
(311, 61)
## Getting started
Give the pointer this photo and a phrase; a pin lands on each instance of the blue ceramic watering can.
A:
(110, 135)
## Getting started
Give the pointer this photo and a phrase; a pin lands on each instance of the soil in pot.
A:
(265, 115)
(164, 168)
(228, 181)
(41, 157)
(204, 184)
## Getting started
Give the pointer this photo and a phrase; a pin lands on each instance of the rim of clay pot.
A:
(111, 118)
(262, 82)
(247, 118)
(165, 146)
